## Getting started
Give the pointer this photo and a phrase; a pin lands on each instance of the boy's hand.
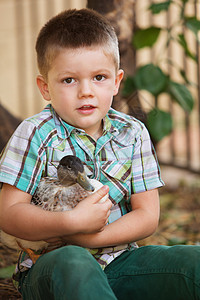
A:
(90, 215)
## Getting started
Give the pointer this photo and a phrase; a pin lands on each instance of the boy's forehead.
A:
(96, 52)
(81, 50)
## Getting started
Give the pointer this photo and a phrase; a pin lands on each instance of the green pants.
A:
(147, 273)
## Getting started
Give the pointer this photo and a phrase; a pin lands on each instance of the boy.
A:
(78, 59)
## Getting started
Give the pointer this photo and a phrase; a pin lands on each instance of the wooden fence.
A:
(182, 148)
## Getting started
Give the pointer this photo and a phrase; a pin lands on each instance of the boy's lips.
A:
(86, 108)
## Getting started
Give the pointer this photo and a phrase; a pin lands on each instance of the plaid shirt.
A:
(122, 158)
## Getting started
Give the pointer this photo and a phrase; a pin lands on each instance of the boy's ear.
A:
(43, 87)
(118, 79)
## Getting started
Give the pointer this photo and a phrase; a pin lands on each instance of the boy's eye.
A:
(99, 77)
(68, 80)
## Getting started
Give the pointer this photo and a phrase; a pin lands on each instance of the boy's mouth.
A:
(87, 108)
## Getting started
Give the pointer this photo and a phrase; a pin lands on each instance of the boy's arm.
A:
(19, 218)
(141, 222)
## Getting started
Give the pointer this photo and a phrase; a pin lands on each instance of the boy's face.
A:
(81, 84)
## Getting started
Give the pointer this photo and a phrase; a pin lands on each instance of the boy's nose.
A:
(85, 89)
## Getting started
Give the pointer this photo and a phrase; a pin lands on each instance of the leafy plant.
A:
(152, 78)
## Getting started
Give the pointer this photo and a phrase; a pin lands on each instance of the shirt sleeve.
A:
(21, 163)
(145, 168)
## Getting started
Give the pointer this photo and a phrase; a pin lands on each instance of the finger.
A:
(99, 194)
(107, 220)
(108, 214)
(108, 204)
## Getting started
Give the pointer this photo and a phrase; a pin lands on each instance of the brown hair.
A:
(74, 29)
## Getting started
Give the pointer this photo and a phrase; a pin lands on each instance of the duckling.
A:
(57, 194)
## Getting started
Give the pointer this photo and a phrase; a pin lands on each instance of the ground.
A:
(8, 259)
(179, 224)
(180, 218)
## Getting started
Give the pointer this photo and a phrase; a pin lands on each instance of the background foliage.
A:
(152, 78)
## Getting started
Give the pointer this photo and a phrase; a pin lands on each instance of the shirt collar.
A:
(64, 130)
(111, 124)
(115, 121)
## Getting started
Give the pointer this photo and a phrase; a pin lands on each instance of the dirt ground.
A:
(180, 218)
(8, 258)
(179, 224)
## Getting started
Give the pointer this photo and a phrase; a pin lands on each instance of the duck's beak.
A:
(83, 180)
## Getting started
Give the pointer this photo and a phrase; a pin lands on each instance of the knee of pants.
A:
(73, 270)
(71, 260)
(64, 271)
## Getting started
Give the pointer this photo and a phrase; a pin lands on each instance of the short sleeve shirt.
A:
(122, 158)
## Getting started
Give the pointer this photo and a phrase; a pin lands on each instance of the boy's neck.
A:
(96, 135)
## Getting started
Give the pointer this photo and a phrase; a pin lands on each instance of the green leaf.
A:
(7, 271)
(145, 37)
(181, 95)
(150, 78)
(183, 43)
(184, 76)
(128, 87)
(159, 124)
(156, 8)
(193, 24)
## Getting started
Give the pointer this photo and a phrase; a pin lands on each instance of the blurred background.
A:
(159, 46)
